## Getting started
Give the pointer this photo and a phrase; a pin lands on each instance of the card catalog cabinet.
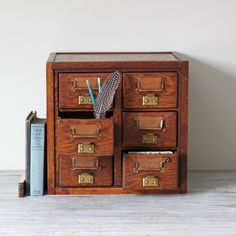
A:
(141, 145)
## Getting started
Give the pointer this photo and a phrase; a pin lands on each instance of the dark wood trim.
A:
(50, 130)
(183, 139)
(112, 191)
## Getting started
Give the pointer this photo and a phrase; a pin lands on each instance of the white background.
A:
(202, 30)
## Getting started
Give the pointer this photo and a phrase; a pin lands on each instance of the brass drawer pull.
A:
(140, 86)
(75, 166)
(149, 139)
(75, 87)
(137, 167)
(150, 181)
(85, 178)
(150, 100)
(84, 99)
(150, 123)
(85, 131)
(86, 148)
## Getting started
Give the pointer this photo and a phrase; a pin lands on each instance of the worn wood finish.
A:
(118, 137)
(141, 73)
(70, 167)
(133, 131)
(98, 132)
(138, 85)
(163, 167)
(50, 127)
(73, 85)
(208, 209)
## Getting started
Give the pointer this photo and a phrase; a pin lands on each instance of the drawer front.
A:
(150, 171)
(149, 129)
(85, 171)
(85, 136)
(150, 90)
(73, 91)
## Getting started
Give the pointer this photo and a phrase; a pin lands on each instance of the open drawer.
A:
(150, 171)
(85, 137)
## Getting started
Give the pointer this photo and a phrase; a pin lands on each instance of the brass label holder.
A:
(150, 181)
(150, 100)
(149, 139)
(85, 99)
(85, 178)
(86, 148)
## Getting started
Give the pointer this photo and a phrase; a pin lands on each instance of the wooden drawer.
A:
(149, 129)
(75, 171)
(150, 171)
(73, 91)
(150, 90)
(85, 136)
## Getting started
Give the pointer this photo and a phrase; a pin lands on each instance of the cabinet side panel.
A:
(184, 126)
(117, 136)
(50, 130)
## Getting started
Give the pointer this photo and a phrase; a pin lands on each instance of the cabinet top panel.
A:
(116, 60)
(114, 56)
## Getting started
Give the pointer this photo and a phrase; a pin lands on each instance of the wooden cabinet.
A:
(141, 145)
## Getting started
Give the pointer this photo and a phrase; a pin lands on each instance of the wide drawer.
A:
(149, 129)
(73, 91)
(82, 171)
(150, 90)
(85, 137)
(150, 171)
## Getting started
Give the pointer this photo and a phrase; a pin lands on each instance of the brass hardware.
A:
(82, 87)
(85, 178)
(157, 165)
(85, 99)
(145, 86)
(149, 139)
(93, 164)
(151, 181)
(86, 148)
(85, 131)
(163, 162)
(150, 99)
(150, 123)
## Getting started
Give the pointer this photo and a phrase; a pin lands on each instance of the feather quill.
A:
(106, 95)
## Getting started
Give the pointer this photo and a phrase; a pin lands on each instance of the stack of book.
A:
(32, 181)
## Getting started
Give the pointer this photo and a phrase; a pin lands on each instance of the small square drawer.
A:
(73, 91)
(150, 90)
(149, 129)
(85, 137)
(150, 171)
(85, 171)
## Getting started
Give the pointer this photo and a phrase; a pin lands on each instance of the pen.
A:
(90, 92)
(99, 85)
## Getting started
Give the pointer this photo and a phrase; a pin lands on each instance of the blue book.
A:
(28, 121)
(37, 157)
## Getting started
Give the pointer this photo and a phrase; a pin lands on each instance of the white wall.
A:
(203, 30)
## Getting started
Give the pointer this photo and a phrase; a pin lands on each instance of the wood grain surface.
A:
(162, 85)
(103, 140)
(132, 135)
(163, 73)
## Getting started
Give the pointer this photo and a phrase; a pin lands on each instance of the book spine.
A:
(27, 157)
(37, 159)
